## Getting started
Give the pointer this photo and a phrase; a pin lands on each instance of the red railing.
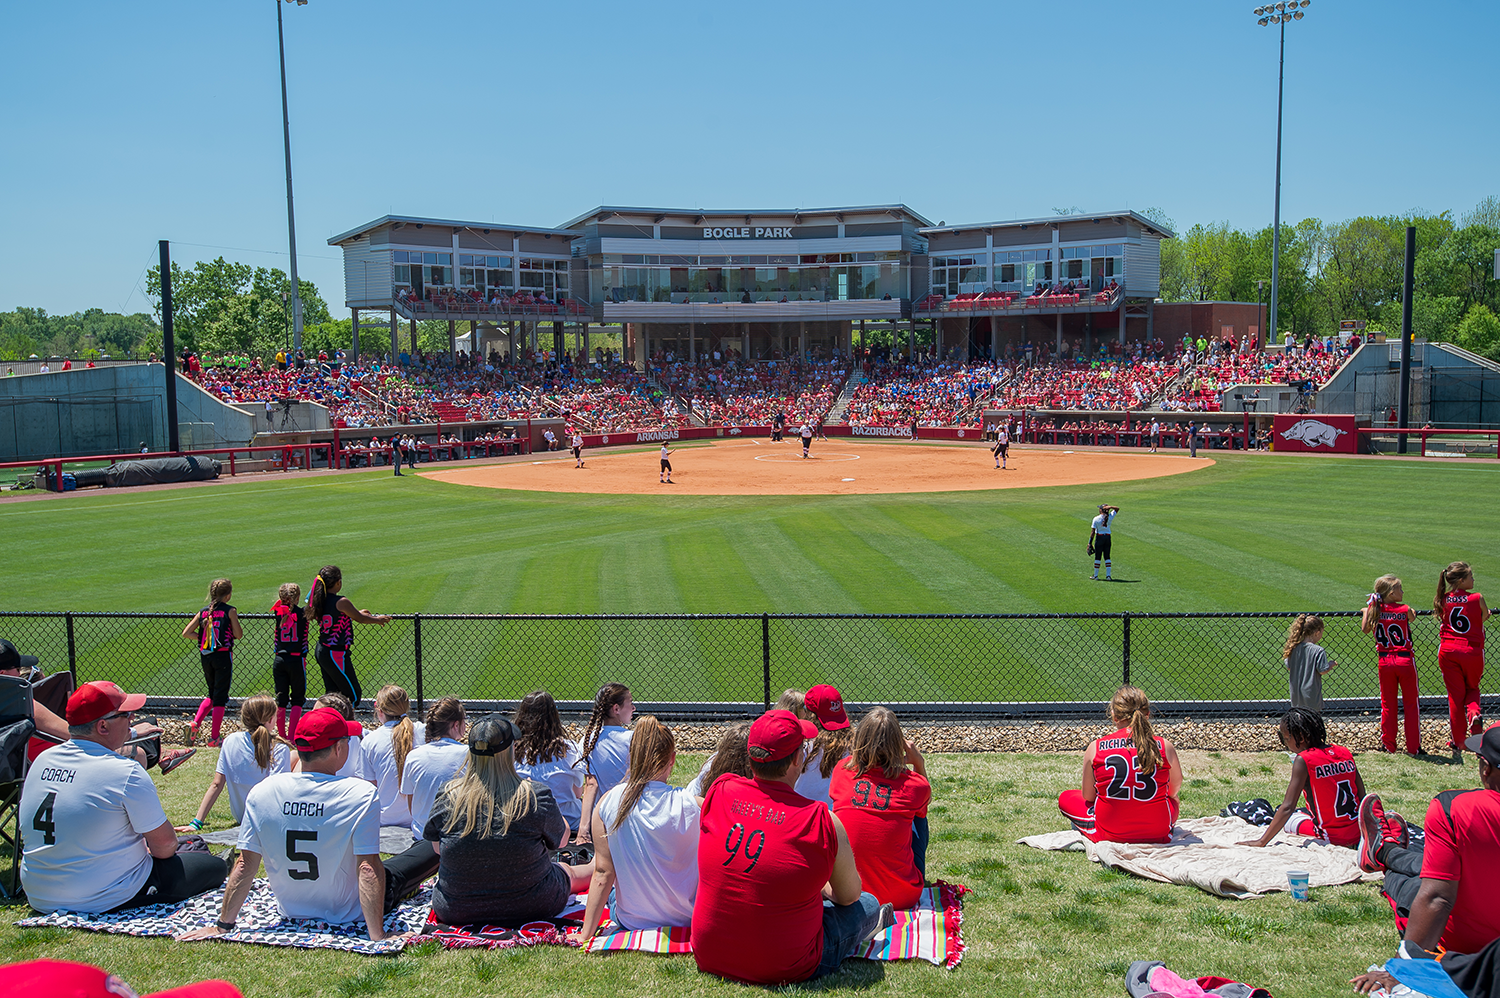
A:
(1423, 434)
(53, 466)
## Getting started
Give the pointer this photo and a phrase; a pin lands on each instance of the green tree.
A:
(1480, 332)
(220, 306)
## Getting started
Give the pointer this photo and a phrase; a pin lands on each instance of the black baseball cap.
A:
(492, 734)
(12, 659)
(1487, 745)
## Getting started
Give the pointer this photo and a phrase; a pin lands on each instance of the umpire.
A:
(1099, 538)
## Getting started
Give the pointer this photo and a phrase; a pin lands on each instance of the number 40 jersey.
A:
(308, 828)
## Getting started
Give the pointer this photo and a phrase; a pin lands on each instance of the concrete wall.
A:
(113, 410)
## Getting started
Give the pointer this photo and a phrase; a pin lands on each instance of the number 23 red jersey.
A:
(1132, 806)
(1333, 794)
(1393, 630)
(1462, 627)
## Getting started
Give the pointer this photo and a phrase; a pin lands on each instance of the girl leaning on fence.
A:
(336, 617)
(216, 628)
(1461, 614)
(1306, 661)
(1390, 620)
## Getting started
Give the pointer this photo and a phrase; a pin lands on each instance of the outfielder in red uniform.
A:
(1461, 615)
(1326, 775)
(1131, 779)
(1390, 620)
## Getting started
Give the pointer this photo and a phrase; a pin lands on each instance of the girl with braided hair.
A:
(1131, 779)
(1327, 775)
(606, 750)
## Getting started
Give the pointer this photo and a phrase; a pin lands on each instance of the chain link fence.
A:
(711, 667)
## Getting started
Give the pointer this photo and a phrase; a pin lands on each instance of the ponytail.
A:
(1305, 624)
(610, 695)
(256, 714)
(1447, 578)
(326, 578)
(1131, 708)
(392, 701)
(651, 748)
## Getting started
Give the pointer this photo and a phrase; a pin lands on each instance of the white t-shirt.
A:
(696, 787)
(664, 452)
(427, 769)
(308, 827)
(655, 855)
(610, 760)
(378, 765)
(1102, 522)
(355, 766)
(812, 784)
(564, 777)
(241, 774)
(85, 811)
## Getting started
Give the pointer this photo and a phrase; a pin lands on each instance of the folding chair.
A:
(16, 728)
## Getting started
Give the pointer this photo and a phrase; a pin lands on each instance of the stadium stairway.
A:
(447, 412)
(841, 404)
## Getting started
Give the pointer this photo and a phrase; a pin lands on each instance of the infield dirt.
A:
(843, 466)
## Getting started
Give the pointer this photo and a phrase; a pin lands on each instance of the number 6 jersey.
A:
(308, 827)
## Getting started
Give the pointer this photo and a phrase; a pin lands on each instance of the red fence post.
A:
(231, 464)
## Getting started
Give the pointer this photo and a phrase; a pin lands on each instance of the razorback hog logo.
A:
(1313, 433)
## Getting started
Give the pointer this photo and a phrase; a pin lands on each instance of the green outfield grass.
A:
(1039, 924)
(1253, 532)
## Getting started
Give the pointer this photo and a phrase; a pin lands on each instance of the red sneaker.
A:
(1375, 830)
(1396, 830)
(172, 758)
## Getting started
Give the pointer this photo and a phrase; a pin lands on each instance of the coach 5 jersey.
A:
(308, 827)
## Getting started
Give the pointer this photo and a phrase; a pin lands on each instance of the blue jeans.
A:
(844, 927)
(919, 839)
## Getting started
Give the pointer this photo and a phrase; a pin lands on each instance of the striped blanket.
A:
(930, 931)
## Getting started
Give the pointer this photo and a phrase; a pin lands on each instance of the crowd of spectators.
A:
(736, 392)
(932, 393)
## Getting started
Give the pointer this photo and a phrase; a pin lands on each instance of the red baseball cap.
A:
(777, 734)
(828, 703)
(321, 728)
(92, 701)
(60, 979)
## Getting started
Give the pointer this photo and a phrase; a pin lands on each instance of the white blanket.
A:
(1205, 853)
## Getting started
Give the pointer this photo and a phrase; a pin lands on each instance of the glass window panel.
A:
(399, 256)
(1116, 249)
(1007, 273)
(710, 260)
(974, 275)
(1047, 271)
(1074, 270)
(403, 274)
(429, 258)
(632, 258)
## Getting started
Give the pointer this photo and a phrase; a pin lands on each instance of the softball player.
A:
(1002, 446)
(577, 442)
(1099, 537)
(806, 433)
(666, 466)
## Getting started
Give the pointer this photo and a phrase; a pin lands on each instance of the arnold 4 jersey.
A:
(1393, 630)
(1333, 793)
(1461, 624)
(308, 828)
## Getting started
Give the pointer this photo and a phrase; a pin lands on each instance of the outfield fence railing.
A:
(996, 667)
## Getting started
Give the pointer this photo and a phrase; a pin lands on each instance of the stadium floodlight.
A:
(1280, 13)
(291, 218)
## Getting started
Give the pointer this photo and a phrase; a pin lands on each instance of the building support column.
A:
(510, 341)
(692, 343)
(453, 341)
(587, 353)
(473, 338)
(558, 341)
(911, 340)
(1058, 350)
(802, 341)
(412, 329)
(937, 337)
(395, 347)
(1151, 320)
(861, 337)
(1122, 319)
(354, 338)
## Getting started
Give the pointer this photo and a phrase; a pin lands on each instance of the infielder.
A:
(666, 466)
(1099, 536)
(1002, 446)
(577, 442)
(806, 433)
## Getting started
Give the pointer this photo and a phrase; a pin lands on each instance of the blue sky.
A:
(129, 123)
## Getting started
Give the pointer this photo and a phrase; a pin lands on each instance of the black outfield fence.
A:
(718, 666)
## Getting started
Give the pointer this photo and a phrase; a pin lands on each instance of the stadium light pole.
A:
(1279, 14)
(291, 218)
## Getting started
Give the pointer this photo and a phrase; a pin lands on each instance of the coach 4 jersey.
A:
(308, 828)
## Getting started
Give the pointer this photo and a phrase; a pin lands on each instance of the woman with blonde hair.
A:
(1131, 779)
(1391, 619)
(881, 794)
(384, 751)
(645, 841)
(494, 834)
(247, 757)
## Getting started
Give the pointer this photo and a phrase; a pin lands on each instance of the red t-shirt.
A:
(764, 854)
(1461, 626)
(1463, 844)
(877, 813)
(1393, 630)
(1331, 793)
(1132, 806)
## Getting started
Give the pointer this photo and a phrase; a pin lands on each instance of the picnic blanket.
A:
(542, 933)
(1205, 853)
(929, 931)
(260, 921)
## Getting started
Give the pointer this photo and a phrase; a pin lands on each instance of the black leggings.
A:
(1403, 875)
(405, 872)
(290, 677)
(218, 670)
(337, 667)
(179, 877)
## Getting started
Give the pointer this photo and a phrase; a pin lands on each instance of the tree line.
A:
(1351, 270)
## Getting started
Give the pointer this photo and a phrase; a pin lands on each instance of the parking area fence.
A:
(996, 667)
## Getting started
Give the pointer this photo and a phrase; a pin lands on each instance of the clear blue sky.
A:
(129, 123)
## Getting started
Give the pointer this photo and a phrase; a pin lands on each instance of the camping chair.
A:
(16, 728)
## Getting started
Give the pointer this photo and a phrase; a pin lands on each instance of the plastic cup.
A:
(1298, 879)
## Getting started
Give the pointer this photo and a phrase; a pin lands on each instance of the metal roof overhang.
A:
(894, 210)
(395, 221)
(1050, 220)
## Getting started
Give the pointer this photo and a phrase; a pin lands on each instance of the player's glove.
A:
(1091, 549)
